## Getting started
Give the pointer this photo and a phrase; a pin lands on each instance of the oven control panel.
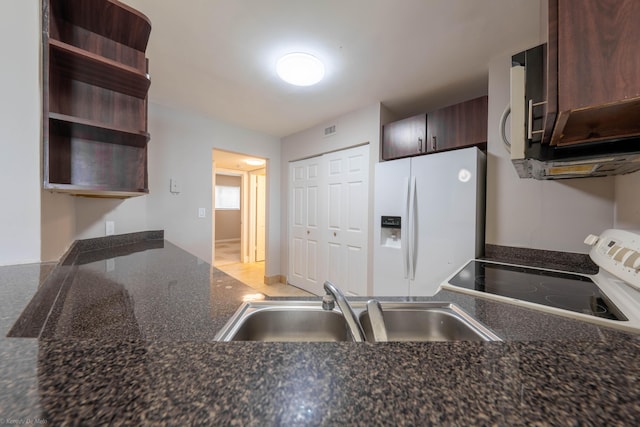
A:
(618, 252)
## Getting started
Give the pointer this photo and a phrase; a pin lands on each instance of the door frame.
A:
(245, 202)
(253, 211)
(243, 208)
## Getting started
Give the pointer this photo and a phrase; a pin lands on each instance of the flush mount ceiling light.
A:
(300, 69)
(255, 162)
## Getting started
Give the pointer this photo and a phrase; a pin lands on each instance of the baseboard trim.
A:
(272, 280)
(227, 240)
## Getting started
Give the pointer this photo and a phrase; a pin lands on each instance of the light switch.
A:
(110, 228)
(202, 212)
(174, 186)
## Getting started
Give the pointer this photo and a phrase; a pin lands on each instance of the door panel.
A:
(311, 207)
(304, 270)
(357, 196)
(446, 213)
(333, 205)
(391, 188)
(329, 210)
(404, 137)
(347, 228)
(333, 262)
(298, 206)
(312, 261)
(355, 265)
(297, 270)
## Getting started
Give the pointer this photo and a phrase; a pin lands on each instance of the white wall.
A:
(180, 148)
(628, 201)
(20, 112)
(552, 215)
(128, 215)
(58, 222)
(358, 127)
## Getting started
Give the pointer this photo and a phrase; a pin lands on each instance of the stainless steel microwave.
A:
(531, 154)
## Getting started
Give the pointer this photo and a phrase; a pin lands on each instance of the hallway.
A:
(227, 259)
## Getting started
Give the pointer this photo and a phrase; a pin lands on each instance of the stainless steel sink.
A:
(292, 320)
(428, 321)
(285, 321)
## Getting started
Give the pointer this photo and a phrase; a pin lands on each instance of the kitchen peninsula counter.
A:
(129, 341)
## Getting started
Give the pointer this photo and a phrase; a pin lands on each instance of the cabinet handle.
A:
(419, 145)
(434, 144)
(530, 130)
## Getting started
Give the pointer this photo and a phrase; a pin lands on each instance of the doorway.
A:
(239, 206)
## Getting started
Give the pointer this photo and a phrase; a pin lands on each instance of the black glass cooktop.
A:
(554, 289)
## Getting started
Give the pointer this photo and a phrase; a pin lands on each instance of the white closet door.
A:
(304, 269)
(346, 206)
(329, 221)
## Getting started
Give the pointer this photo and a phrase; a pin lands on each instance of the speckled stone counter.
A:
(130, 342)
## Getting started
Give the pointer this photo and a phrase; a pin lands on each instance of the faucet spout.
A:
(350, 317)
(378, 329)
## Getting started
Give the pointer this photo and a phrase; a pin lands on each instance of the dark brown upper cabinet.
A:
(593, 71)
(95, 85)
(404, 138)
(457, 126)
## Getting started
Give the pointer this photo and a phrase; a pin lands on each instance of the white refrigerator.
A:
(429, 220)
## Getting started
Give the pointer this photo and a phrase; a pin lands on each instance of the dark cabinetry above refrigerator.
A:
(456, 126)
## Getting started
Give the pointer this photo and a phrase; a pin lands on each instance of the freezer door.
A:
(390, 250)
(449, 201)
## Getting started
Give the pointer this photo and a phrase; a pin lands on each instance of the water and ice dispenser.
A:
(390, 231)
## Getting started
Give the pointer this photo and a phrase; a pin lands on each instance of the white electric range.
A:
(611, 297)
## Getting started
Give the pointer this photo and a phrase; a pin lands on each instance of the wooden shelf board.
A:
(87, 129)
(109, 18)
(86, 191)
(79, 64)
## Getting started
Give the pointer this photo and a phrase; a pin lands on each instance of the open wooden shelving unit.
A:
(96, 83)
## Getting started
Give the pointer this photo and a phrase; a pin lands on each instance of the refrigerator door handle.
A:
(413, 236)
(405, 231)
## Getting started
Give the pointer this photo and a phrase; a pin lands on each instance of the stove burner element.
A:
(566, 287)
(512, 289)
(563, 301)
(561, 290)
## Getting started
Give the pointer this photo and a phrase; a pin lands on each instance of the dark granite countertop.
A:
(130, 342)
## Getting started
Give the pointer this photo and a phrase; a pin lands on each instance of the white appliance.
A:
(611, 297)
(429, 220)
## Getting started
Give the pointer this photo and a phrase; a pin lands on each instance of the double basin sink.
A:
(309, 321)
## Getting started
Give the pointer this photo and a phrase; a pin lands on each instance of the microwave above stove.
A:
(539, 149)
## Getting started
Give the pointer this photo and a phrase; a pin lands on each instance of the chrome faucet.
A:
(378, 328)
(329, 301)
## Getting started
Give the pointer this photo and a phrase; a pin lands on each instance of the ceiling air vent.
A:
(328, 131)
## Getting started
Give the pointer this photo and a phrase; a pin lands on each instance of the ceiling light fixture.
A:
(300, 69)
(255, 162)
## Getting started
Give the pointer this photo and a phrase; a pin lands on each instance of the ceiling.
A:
(217, 57)
(235, 161)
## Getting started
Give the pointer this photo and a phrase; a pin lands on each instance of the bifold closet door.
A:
(328, 221)
(304, 250)
(345, 238)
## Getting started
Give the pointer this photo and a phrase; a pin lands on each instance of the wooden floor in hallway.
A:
(227, 259)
